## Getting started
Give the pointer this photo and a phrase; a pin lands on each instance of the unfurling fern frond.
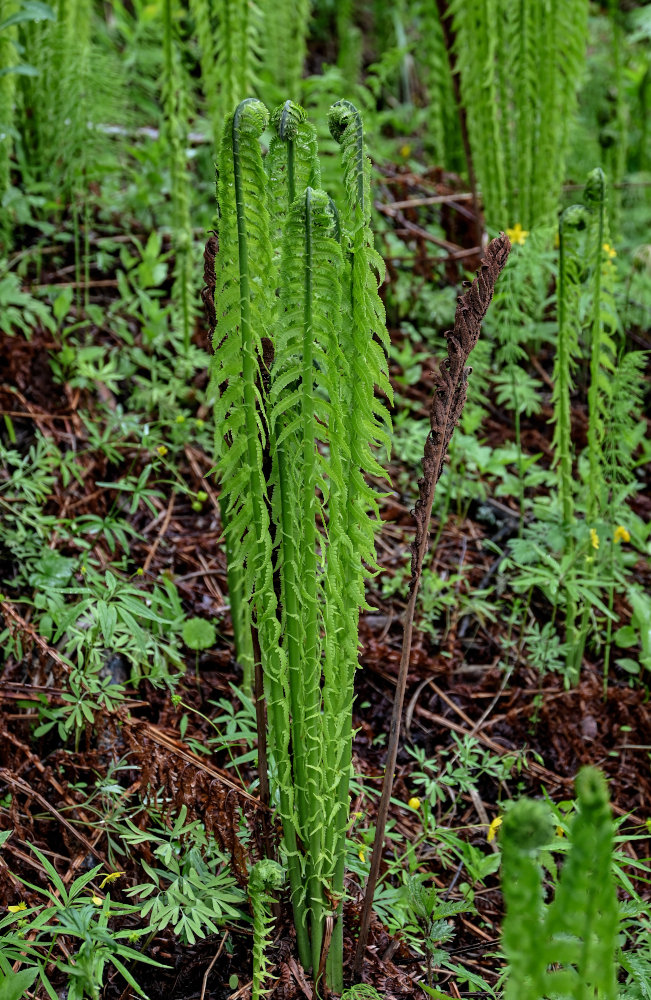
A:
(572, 220)
(364, 426)
(285, 27)
(519, 66)
(175, 104)
(237, 50)
(303, 398)
(564, 948)
(244, 304)
(292, 163)
(603, 327)
(205, 26)
(265, 875)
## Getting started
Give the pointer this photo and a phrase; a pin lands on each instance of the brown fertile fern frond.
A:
(208, 291)
(451, 386)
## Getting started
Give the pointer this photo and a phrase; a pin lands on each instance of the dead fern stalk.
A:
(451, 388)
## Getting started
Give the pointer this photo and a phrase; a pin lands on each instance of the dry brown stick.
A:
(433, 199)
(209, 969)
(28, 630)
(161, 534)
(450, 390)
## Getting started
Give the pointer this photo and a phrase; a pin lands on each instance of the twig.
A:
(432, 199)
(161, 534)
(22, 786)
(451, 385)
(209, 969)
(28, 630)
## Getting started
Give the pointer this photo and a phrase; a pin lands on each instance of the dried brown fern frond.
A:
(450, 391)
(451, 386)
(208, 291)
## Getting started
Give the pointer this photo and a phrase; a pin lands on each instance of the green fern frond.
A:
(265, 875)
(237, 50)
(566, 947)
(285, 29)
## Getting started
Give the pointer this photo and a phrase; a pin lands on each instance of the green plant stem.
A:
(564, 430)
(311, 660)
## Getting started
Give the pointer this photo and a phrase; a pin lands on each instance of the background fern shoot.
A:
(565, 947)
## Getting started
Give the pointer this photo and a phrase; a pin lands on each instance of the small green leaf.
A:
(62, 303)
(625, 636)
(199, 634)
(13, 987)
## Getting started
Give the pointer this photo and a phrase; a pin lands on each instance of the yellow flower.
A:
(97, 900)
(162, 450)
(594, 538)
(405, 151)
(621, 534)
(610, 251)
(493, 828)
(517, 234)
(414, 803)
(361, 854)
(560, 832)
(111, 877)
(18, 907)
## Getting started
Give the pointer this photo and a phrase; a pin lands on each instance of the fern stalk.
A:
(451, 386)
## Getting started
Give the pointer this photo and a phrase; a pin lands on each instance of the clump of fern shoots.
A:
(565, 947)
(299, 351)
(519, 67)
(588, 324)
(175, 104)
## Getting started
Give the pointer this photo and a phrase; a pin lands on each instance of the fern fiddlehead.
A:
(365, 425)
(566, 947)
(265, 875)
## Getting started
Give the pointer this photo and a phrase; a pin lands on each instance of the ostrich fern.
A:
(566, 947)
(174, 94)
(265, 876)
(299, 351)
(519, 63)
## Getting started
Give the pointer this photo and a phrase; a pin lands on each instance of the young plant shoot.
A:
(300, 350)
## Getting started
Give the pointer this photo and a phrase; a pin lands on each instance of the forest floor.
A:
(456, 684)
